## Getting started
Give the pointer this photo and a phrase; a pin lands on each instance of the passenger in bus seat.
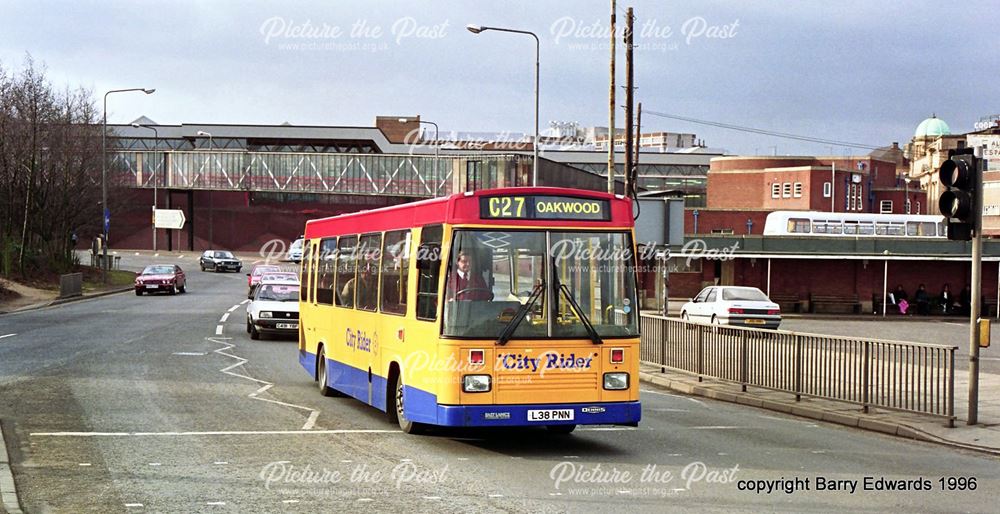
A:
(465, 284)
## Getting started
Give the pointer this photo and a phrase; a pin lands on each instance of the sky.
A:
(865, 72)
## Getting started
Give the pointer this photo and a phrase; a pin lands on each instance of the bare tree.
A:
(50, 171)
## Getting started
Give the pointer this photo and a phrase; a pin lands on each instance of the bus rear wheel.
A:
(561, 429)
(396, 411)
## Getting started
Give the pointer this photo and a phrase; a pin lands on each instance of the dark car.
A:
(219, 260)
(161, 278)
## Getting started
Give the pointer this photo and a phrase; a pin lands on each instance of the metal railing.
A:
(912, 377)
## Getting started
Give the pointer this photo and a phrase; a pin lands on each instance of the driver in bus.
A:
(465, 284)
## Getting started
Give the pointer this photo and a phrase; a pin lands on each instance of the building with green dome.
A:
(927, 150)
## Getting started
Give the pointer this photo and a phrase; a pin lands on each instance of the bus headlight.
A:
(265, 314)
(476, 383)
(615, 381)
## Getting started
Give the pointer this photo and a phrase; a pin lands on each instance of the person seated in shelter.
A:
(946, 299)
(923, 300)
(965, 301)
(900, 299)
(465, 283)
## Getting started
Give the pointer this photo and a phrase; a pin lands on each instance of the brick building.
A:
(741, 191)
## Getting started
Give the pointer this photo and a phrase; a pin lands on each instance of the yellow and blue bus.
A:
(501, 307)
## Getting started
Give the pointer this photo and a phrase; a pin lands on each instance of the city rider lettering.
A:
(511, 361)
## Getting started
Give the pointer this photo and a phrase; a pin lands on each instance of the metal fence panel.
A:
(897, 375)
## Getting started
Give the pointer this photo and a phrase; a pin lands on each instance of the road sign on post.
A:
(169, 218)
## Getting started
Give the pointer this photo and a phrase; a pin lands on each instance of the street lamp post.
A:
(437, 157)
(104, 175)
(476, 29)
(156, 176)
(210, 185)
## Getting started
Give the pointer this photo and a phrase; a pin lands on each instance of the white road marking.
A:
(7, 335)
(624, 492)
(154, 464)
(215, 432)
(191, 354)
(245, 301)
(310, 421)
(130, 505)
(661, 393)
(571, 456)
(137, 253)
(555, 494)
(215, 503)
(496, 496)
(224, 318)
(347, 461)
(233, 308)
(720, 427)
(675, 455)
(366, 499)
(463, 458)
(218, 330)
(432, 497)
(220, 463)
(84, 464)
(289, 501)
(818, 451)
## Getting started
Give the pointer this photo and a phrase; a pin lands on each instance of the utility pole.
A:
(634, 172)
(628, 99)
(611, 109)
(977, 279)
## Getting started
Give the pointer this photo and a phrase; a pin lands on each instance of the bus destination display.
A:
(537, 207)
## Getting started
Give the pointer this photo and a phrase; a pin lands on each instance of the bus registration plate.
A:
(551, 415)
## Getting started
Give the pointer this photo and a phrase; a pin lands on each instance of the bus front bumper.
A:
(598, 413)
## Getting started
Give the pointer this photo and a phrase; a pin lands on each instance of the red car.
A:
(161, 278)
(258, 270)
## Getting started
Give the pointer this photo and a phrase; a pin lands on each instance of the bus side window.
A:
(347, 263)
(368, 267)
(428, 272)
(395, 265)
(306, 272)
(325, 270)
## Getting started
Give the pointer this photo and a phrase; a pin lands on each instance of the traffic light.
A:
(960, 174)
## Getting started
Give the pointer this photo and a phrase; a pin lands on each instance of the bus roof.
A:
(464, 208)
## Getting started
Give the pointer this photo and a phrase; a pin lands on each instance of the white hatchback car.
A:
(733, 305)
(274, 308)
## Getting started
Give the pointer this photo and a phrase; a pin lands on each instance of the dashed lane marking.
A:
(191, 354)
(218, 330)
(233, 308)
(224, 318)
(7, 335)
(133, 505)
(215, 503)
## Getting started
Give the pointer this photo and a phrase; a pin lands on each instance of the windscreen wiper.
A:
(519, 316)
(584, 320)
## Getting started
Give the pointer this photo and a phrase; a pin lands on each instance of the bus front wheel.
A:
(396, 411)
(324, 389)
